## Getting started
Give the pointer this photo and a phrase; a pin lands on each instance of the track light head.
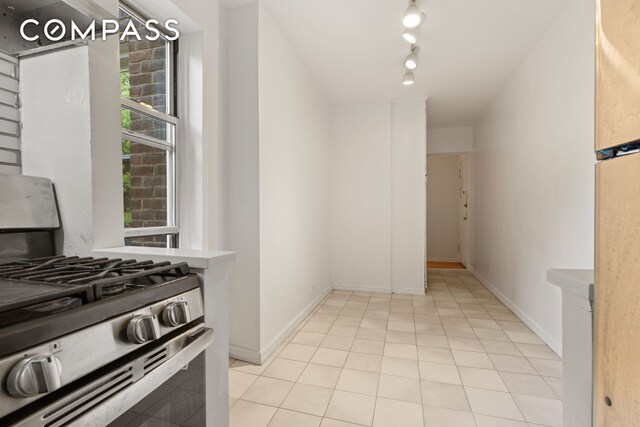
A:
(411, 35)
(409, 78)
(411, 61)
(413, 16)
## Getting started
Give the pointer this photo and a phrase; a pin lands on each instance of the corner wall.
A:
(241, 204)
(360, 196)
(378, 155)
(277, 185)
(408, 197)
(534, 174)
(295, 200)
(71, 135)
(56, 138)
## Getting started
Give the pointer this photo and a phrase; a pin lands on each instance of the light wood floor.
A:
(448, 265)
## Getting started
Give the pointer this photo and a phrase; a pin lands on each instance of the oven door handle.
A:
(103, 400)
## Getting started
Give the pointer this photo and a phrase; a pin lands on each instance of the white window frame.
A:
(172, 229)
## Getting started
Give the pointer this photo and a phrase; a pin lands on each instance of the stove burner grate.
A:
(102, 277)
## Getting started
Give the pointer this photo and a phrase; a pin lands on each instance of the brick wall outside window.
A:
(147, 79)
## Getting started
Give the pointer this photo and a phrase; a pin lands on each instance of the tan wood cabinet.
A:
(618, 72)
(617, 282)
(617, 293)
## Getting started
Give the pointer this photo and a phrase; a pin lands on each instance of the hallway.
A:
(455, 357)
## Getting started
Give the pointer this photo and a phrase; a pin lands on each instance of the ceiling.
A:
(355, 48)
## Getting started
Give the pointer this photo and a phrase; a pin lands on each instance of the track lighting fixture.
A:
(412, 16)
(411, 62)
(412, 35)
(409, 78)
(412, 19)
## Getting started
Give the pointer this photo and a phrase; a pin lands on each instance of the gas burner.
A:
(108, 291)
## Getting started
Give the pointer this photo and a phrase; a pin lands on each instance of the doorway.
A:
(448, 200)
(463, 210)
(445, 265)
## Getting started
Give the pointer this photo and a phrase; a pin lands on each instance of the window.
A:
(149, 137)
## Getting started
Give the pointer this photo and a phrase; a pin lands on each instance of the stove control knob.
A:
(35, 375)
(176, 313)
(143, 328)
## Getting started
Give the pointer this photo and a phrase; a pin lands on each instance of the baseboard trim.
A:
(526, 319)
(259, 357)
(376, 290)
(268, 350)
(245, 354)
(360, 288)
(408, 291)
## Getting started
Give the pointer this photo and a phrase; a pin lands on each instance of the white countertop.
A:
(195, 258)
(578, 282)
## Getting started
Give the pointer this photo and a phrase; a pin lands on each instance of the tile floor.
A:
(454, 357)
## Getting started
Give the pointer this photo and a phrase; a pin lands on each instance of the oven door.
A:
(108, 395)
(178, 402)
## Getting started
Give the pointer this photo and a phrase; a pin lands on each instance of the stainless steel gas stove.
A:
(83, 339)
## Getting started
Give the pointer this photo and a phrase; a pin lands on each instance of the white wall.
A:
(106, 149)
(443, 227)
(295, 264)
(378, 153)
(408, 198)
(360, 196)
(71, 134)
(191, 136)
(206, 151)
(534, 173)
(450, 140)
(278, 188)
(56, 137)
(241, 203)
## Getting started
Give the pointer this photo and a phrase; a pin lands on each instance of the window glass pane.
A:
(145, 125)
(144, 178)
(158, 241)
(143, 67)
(148, 168)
